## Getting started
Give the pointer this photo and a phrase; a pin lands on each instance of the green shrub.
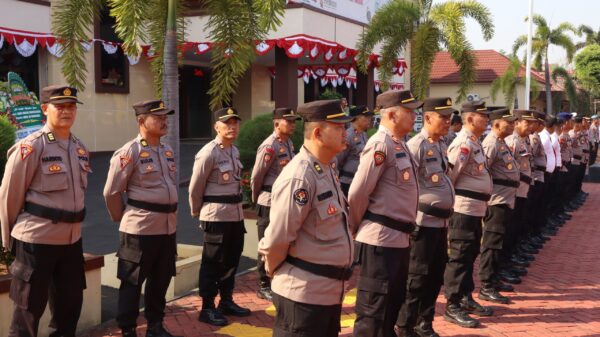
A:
(254, 132)
(330, 94)
(7, 139)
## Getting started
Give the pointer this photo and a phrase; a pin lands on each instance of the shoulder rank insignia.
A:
(50, 137)
(318, 167)
(144, 143)
(379, 158)
(26, 150)
(301, 196)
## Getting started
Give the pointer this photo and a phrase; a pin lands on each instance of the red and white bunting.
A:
(264, 47)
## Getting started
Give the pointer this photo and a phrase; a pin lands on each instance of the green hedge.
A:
(7, 139)
(254, 132)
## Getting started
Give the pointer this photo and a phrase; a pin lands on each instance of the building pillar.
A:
(286, 80)
(365, 88)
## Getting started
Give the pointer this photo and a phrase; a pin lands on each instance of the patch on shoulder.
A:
(379, 158)
(301, 196)
(25, 150)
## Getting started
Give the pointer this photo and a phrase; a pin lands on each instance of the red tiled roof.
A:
(490, 65)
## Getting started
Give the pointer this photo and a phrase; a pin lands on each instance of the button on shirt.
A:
(309, 221)
(469, 171)
(217, 172)
(386, 172)
(348, 159)
(546, 140)
(435, 187)
(49, 172)
(271, 157)
(502, 165)
(143, 173)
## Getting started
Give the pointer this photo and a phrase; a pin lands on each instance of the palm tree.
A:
(569, 83)
(543, 38)
(425, 28)
(235, 25)
(507, 83)
(591, 36)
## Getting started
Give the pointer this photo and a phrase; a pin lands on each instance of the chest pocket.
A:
(331, 225)
(478, 164)
(150, 175)
(433, 174)
(54, 177)
(225, 173)
(404, 173)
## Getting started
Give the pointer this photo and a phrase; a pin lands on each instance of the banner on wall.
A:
(21, 105)
(358, 10)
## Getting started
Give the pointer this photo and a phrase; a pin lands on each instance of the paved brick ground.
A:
(560, 296)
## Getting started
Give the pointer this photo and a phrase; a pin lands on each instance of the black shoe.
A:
(492, 295)
(425, 329)
(403, 332)
(469, 305)
(455, 314)
(157, 330)
(516, 261)
(265, 293)
(527, 249)
(509, 278)
(518, 271)
(504, 287)
(228, 307)
(129, 332)
(526, 257)
(212, 317)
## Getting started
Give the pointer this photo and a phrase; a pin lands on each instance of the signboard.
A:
(358, 10)
(21, 106)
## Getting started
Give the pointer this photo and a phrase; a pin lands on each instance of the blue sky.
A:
(509, 21)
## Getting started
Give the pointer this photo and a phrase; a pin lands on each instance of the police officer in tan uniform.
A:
(308, 245)
(505, 178)
(271, 157)
(566, 153)
(594, 138)
(41, 210)
(576, 161)
(429, 248)
(215, 198)
(383, 207)
(473, 185)
(144, 171)
(356, 138)
(455, 127)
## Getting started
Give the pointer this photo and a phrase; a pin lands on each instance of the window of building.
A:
(26, 67)
(111, 70)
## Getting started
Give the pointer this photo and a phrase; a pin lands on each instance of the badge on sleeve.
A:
(301, 196)
(26, 150)
(124, 160)
(267, 157)
(379, 158)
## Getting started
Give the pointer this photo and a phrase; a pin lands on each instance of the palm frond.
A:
(130, 23)
(507, 83)
(564, 41)
(72, 21)
(538, 20)
(519, 42)
(481, 14)
(272, 12)
(570, 86)
(424, 46)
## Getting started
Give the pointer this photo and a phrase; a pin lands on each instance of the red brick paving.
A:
(559, 297)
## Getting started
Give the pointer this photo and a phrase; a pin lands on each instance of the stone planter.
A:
(90, 312)
(187, 267)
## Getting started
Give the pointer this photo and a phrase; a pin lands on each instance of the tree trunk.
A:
(170, 91)
(548, 86)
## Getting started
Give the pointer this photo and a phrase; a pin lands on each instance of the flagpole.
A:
(528, 65)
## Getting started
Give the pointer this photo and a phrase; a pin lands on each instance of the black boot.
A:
(425, 329)
(455, 314)
(492, 295)
(469, 305)
(265, 293)
(209, 314)
(157, 330)
(403, 332)
(228, 307)
(500, 286)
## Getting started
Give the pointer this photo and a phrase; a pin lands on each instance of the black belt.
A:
(540, 168)
(506, 182)
(325, 270)
(525, 179)
(473, 194)
(406, 227)
(54, 214)
(578, 157)
(346, 174)
(223, 199)
(152, 207)
(435, 211)
(586, 151)
(267, 188)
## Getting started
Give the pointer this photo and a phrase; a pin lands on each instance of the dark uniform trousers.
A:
(261, 225)
(464, 238)
(593, 153)
(562, 188)
(514, 228)
(44, 272)
(149, 258)
(494, 228)
(550, 191)
(580, 177)
(428, 258)
(535, 214)
(295, 319)
(381, 289)
(223, 245)
(573, 183)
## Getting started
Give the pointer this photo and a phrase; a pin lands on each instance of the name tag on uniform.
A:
(429, 160)
(324, 196)
(51, 159)
(145, 161)
(400, 155)
(283, 155)
(476, 152)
